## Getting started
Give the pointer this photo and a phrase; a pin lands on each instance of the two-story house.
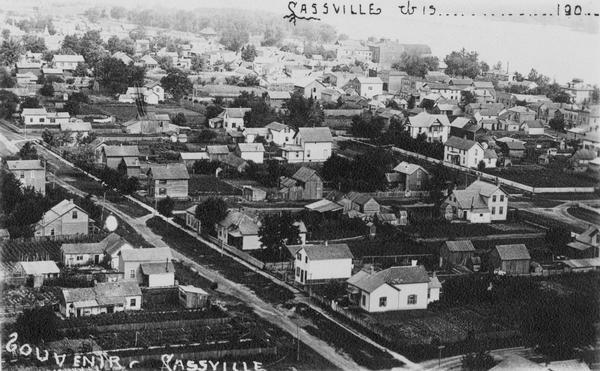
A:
(309, 88)
(251, 152)
(411, 176)
(31, 173)
(168, 180)
(151, 267)
(111, 156)
(316, 143)
(67, 62)
(481, 202)
(367, 87)
(233, 118)
(395, 288)
(63, 219)
(519, 114)
(318, 264)
(463, 152)
(435, 127)
(281, 134)
(305, 184)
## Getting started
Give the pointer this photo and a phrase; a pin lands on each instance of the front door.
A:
(96, 259)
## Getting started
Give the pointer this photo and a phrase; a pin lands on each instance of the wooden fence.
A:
(150, 325)
(239, 353)
(239, 253)
(90, 237)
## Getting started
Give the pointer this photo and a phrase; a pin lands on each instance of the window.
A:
(493, 211)
(79, 257)
(364, 300)
(162, 191)
(494, 198)
(501, 199)
(297, 271)
(132, 302)
(42, 120)
(132, 273)
(31, 119)
(306, 259)
(383, 301)
(428, 293)
(74, 214)
(412, 299)
(22, 175)
(298, 256)
(308, 153)
(501, 211)
(52, 232)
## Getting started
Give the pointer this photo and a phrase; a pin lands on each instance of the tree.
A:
(176, 83)
(303, 111)
(595, 95)
(250, 80)
(235, 36)
(205, 167)
(210, 212)
(557, 123)
(8, 104)
(165, 206)
(73, 104)
(37, 325)
(30, 102)
(481, 165)
(480, 361)
(212, 111)
(10, 52)
(558, 238)
(10, 192)
(47, 89)
(416, 65)
(198, 63)
(81, 70)
(5, 34)
(125, 45)
(118, 12)
(278, 230)
(6, 79)
(484, 67)
(34, 44)
(28, 152)
(467, 97)
(365, 126)
(179, 119)
(114, 76)
(47, 136)
(462, 63)
(249, 53)
(272, 36)
(21, 221)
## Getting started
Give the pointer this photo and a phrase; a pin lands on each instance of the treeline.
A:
(365, 173)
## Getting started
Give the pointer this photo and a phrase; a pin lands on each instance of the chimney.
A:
(413, 262)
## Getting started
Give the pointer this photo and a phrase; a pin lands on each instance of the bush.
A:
(165, 206)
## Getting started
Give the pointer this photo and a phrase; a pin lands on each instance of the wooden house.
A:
(65, 218)
(305, 184)
(453, 253)
(193, 297)
(360, 202)
(411, 176)
(31, 173)
(190, 219)
(111, 156)
(170, 180)
(511, 259)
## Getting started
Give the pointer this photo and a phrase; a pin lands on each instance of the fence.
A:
(90, 237)
(399, 194)
(197, 355)
(239, 253)
(188, 323)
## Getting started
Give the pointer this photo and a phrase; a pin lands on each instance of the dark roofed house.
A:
(453, 253)
(360, 202)
(305, 184)
(168, 180)
(239, 230)
(107, 297)
(586, 244)
(413, 177)
(511, 259)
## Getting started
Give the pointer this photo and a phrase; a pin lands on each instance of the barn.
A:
(512, 259)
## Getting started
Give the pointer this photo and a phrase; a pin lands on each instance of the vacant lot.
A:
(443, 229)
(542, 177)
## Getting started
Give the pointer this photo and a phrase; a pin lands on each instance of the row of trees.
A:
(366, 173)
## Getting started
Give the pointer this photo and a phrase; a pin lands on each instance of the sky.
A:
(562, 47)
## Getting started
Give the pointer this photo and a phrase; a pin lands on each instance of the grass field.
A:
(584, 214)
(543, 177)
(453, 230)
(199, 184)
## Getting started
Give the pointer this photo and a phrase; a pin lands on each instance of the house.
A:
(38, 271)
(148, 62)
(309, 88)
(169, 180)
(281, 134)
(434, 127)
(533, 127)
(519, 114)
(111, 156)
(150, 267)
(239, 230)
(305, 184)
(234, 162)
(189, 158)
(360, 202)
(316, 143)
(231, 119)
(34, 116)
(192, 297)
(463, 152)
(31, 173)
(454, 253)
(217, 152)
(251, 152)
(107, 297)
(292, 153)
(586, 244)
(276, 99)
(480, 202)
(411, 176)
(511, 259)
(67, 62)
(151, 93)
(123, 57)
(395, 288)
(515, 149)
(318, 264)
(252, 135)
(95, 253)
(191, 221)
(253, 194)
(367, 87)
(63, 219)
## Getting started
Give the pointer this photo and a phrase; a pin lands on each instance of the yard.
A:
(202, 184)
(444, 229)
(539, 176)
(584, 214)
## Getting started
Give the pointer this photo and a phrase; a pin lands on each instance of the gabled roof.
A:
(34, 111)
(392, 276)
(169, 172)
(369, 80)
(408, 168)
(513, 252)
(277, 126)
(273, 94)
(251, 147)
(460, 143)
(484, 188)
(328, 252)
(24, 165)
(194, 155)
(534, 124)
(157, 254)
(59, 210)
(106, 293)
(39, 267)
(468, 199)
(483, 85)
(121, 151)
(304, 174)
(323, 206)
(460, 122)
(70, 58)
(426, 120)
(317, 134)
(458, 246)
(588, 235)
(157, 268)
(358, 198)
(236, 112)
(241, 222)
(217, 149)
(109, 245)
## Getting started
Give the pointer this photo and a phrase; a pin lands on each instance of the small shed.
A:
(37, 270)
(511, 259)
(193, 297)
(454, 253)
(254, 194)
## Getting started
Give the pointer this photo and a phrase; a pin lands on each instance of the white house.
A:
(395, 288)
(233, 118)
(435, 127)
(65, 218)
(107, 250)
(281, 134)
(151, 93)
(481, 202)
(533, 127)
(149, 267)
(369, 87)
(318, 263)
(239, 230)
(309, 88)
(66, 61)
(316, 143)
(34, 116)
(106, 297)
(463, 152)
(251, 152)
